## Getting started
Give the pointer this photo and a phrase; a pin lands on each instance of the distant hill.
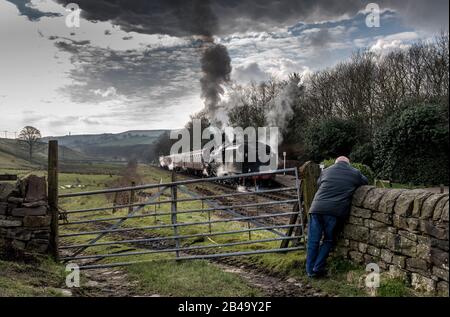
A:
(112, 146)
(14, 154)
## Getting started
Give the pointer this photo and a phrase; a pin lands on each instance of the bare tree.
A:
(30, 135)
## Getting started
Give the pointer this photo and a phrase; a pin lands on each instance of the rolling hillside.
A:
(109, 146)
(14, 154)
(135, 137)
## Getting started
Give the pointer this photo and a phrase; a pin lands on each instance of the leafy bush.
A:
(332, 137)
(413, 146)
(363, 153)
(364, 169)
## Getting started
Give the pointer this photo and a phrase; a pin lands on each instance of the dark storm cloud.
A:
(31, 13)
(221, 17)
(172, 17)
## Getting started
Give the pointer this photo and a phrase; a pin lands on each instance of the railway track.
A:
(276, 196)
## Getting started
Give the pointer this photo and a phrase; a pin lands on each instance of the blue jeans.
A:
(317, 254)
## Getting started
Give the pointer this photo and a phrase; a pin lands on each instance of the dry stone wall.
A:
(405, 232)
(24, 217)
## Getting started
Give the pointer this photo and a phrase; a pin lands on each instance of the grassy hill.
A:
(134, 137)
(14, 154)
(109, 146)
(8, 161)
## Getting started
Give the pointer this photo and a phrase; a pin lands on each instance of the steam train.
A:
(218, 162)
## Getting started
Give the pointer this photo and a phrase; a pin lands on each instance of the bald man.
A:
(331, 204)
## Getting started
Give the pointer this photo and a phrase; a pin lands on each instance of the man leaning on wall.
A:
(330, 206)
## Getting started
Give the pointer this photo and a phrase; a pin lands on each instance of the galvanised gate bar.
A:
(275, 226)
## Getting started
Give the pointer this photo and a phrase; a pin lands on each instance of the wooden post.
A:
(173, 192)
(132, 194)
(441, 188)
(309, 173)
(53, 197)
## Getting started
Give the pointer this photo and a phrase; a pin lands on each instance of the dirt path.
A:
(274, 286)
(108, 282)
(115, 282)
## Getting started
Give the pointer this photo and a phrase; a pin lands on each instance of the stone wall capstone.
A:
(24, 217)
(405, 232)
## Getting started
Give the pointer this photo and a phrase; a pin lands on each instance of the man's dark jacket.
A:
(337, 184)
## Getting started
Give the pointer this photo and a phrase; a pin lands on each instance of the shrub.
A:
(363, 153)
(364, 169)
(413, 146)
(332, 138)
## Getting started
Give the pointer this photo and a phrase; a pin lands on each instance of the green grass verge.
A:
(189, 279)
(22, 280)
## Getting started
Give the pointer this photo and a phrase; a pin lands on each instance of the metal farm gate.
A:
(158, 222)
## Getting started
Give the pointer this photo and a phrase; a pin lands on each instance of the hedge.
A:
(413, 146)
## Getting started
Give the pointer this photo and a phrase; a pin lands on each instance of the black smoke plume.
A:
(216, 68)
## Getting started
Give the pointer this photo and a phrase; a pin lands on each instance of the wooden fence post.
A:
(309, 173)
(173, 192)
(53, 197)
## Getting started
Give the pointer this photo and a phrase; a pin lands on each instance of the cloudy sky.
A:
(135, 64)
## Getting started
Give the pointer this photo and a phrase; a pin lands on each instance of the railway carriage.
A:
(222, 161)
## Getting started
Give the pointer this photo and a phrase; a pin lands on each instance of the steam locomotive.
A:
(218, 162)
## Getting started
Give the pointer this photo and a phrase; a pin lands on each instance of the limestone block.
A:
(10, 223)
(418, 203)
(36, 188)
(415, 264)
(440, 273)
(356, 220)
(36, 221)
(373, 251)
(38, 211)
(373, 199)
(442, 288)
(360, 212)
(387, 203)
(373, 224)
(431, 229)
(382, 217)
(422, 283)
(439, 258)
(429, 205)
(386, 255)
(405, 202)
(360, 194)
(355, 232)
(439, 208)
